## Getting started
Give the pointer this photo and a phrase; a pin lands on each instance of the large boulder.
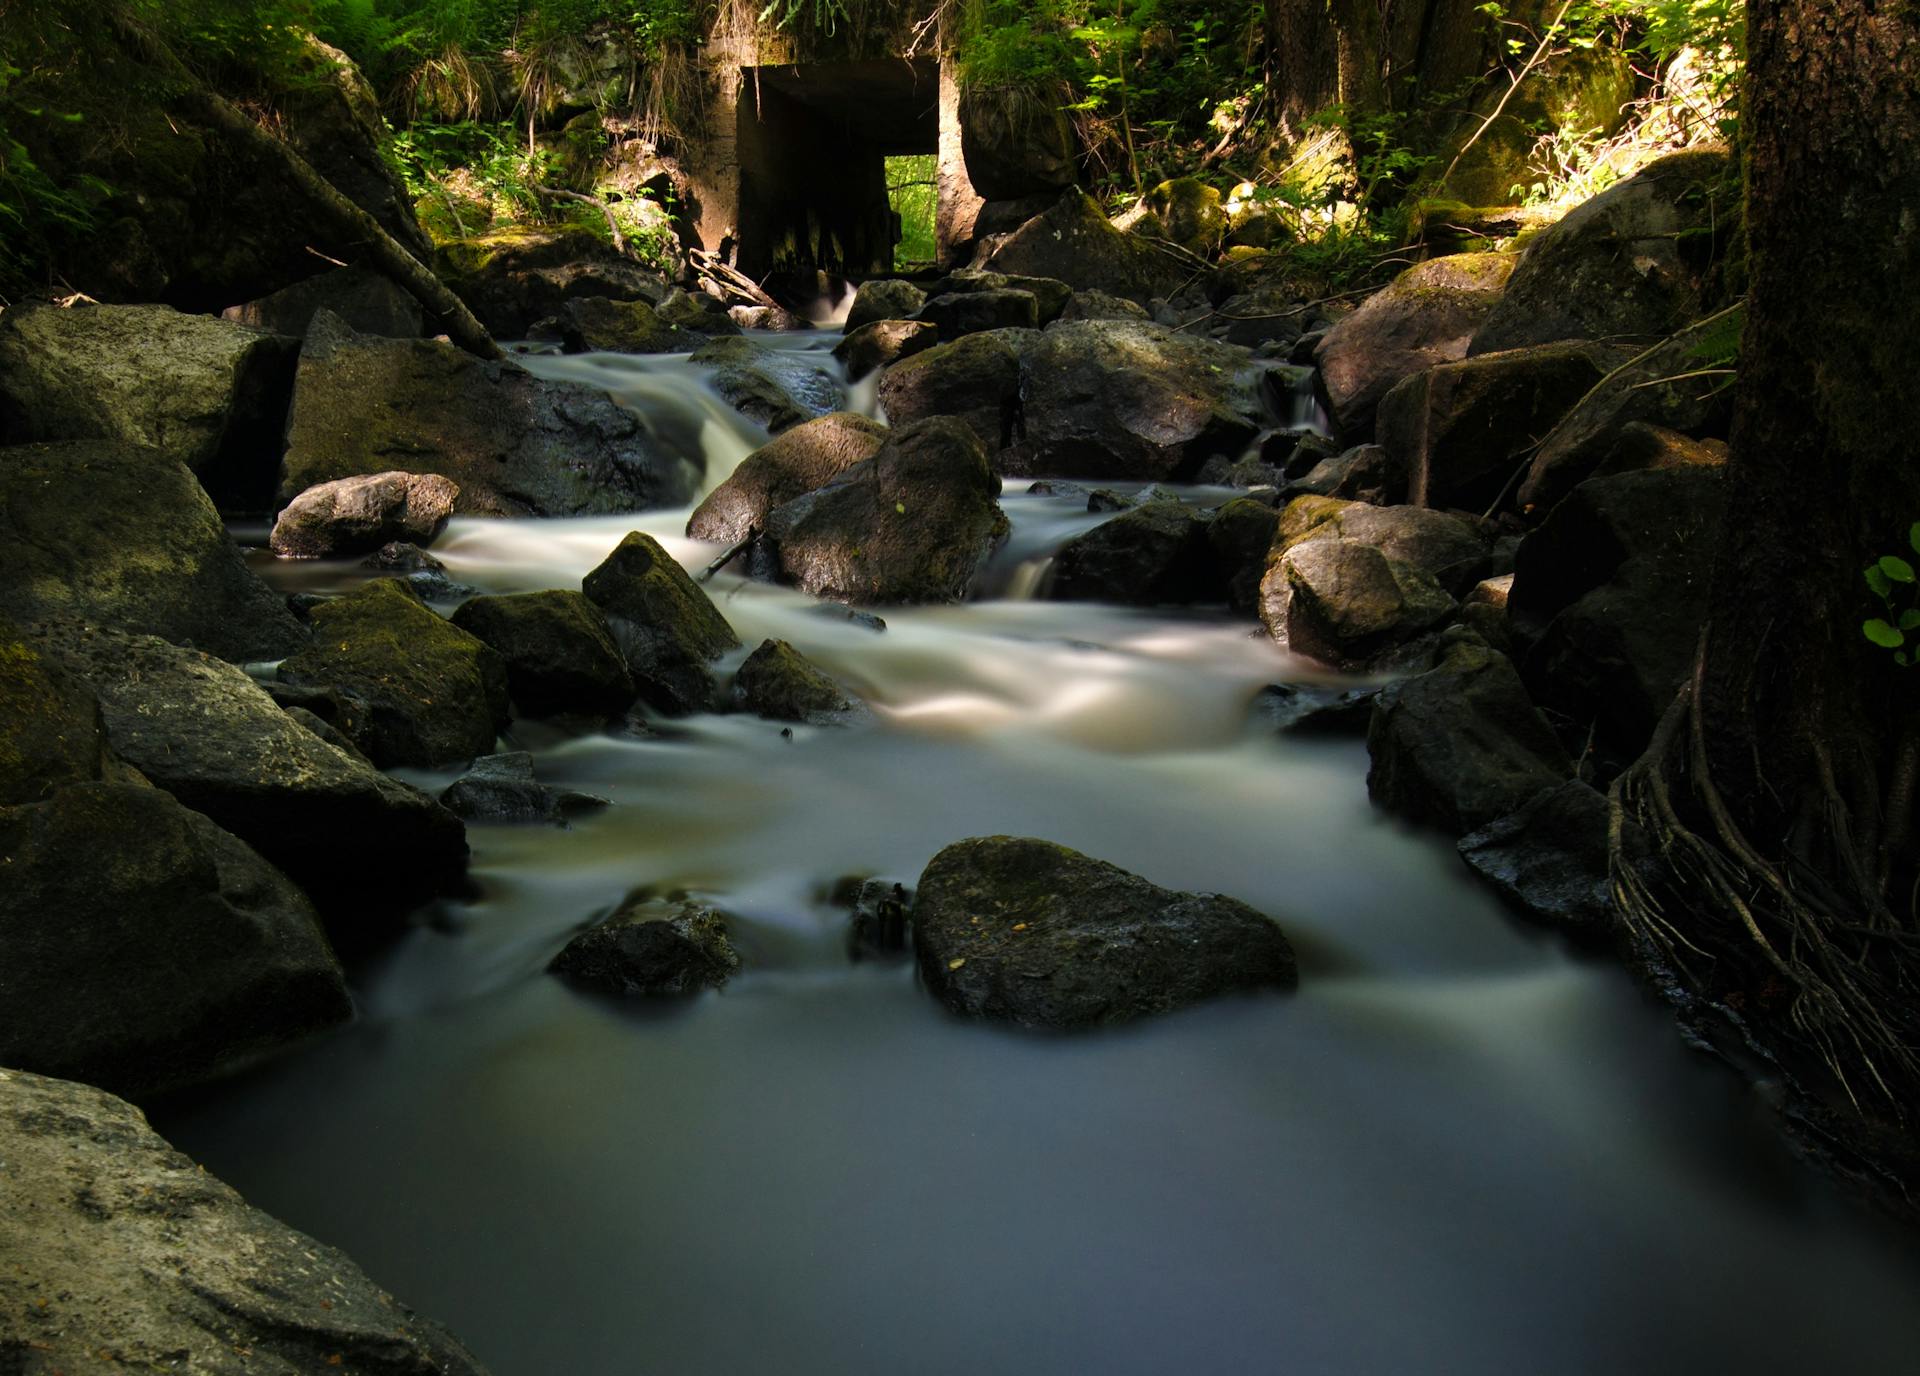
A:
(1677, 385)
(359, 515)
(1157, 554)
(127, 1254)
(652, 948)
(879, 343)
(1072, 241)
(1050, 295)
(778, 388)
(1426, 316)
(560, 653)
(668, 630)
(961, 313)
(1030, 932)
(100, 532)
(516, 276)
(595, 324)
(368, 301)
(142, 948)
(1461, 745)
(1118, 399)
(976, 380)
(911, 524)
(424, 691)
(203, 392)
(1184, 211)
(1347, 603)
(516, 445)
(781, 684)
(1449, 549)
(50, 728)
(1463, 429)
(1016, 140)
(884, 298)
(1633, 263)
(1609, 595)
(788, 466)
(361, 845)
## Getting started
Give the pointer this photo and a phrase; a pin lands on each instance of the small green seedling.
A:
(1892, 581)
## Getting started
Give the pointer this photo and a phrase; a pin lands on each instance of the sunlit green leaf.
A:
(1882, 634)
(1896, 568)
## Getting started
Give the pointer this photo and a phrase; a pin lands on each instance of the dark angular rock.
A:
(976, 380)
(1348, 603)
(51, 734)
(1240, 535)
(425, 574)
(142, 948)
(559, 651)
(1030, 932)
(124, 538)
(363, 846)
(128, 1249)
(668, 630)
(963, 313)
(780, 683)
(1550, 860)
(886, 298)
(1461, 745)
(501, 788)
(517, 275)
(1427, 316)
(516, 445)
(882, 343)
(778, 388)
(794, 463)
(912, 524)
(1152, 555)
(1367, 473)
(428, 692)
(1463, 428)
(1311, 709)
(655, 947)
(218, 405)
(355, 515)
(877, 927)
(1072, 241)
(594, 324)
(1050, 296)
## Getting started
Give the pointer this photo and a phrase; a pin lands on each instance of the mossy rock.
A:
(1026, 931)
(790, 465)
(431, 693)
(780, 683)
(594, 324)
(559, 651)
(651, 948)
(668, 630)
(50, 729)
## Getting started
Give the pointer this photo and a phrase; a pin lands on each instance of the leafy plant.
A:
(1891, 578)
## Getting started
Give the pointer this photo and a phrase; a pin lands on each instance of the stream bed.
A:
(1457, 1149)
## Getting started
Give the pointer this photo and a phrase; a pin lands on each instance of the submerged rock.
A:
(362, 845)
(217, 404)
(790, 465)
(668, 630)
(652, 947)
(516, 445)
(1313, 709)
(142, 948)
(778, 388)
(98, 532)
(356, 515)
(501, 788)
(877, 926)
(559, 650)
(128, 1255)
(1030, 932)
(780, 683)
(912, 524)
(427, 692)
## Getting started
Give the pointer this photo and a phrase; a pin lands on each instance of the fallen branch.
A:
(733, 552)
(729, 281)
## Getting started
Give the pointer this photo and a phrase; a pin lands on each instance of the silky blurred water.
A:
(1456, 1149)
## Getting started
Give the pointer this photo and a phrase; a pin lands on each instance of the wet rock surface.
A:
(1152, 555)
(142, 948)
(777, 388)
(595, 324)
(559, 650)
(881, 343)
(807, 457)
(424, 691)
(516, 445)
(130, 1249)
(1026, 931)
(501, 788)
(668, 630)
(976, 380)
(357, 515)
(781, 684)
(98, 532)
(652, 948)
(912, 524)
(1550, 860)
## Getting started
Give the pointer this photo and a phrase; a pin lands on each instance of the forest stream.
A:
(1458, 1148)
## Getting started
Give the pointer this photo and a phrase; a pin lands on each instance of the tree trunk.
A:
(1302, 72)
(1802, 717)
(1361, 45)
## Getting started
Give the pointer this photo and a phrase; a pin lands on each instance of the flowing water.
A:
(1456, 1149)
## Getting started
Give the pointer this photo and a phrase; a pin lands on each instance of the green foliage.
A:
(494, 160)
(1891, 580)
(913, 194)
